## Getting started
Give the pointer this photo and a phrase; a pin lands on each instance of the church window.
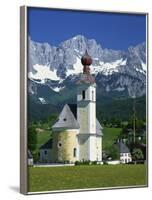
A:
(92, 95)
(74, 152)
(59, 144)
(64, 119)
(83, 94)
(45, 152)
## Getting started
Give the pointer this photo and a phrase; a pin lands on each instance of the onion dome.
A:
(86, 77)
(86, 59)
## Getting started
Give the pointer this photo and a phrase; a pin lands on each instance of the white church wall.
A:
(86, 112)
(92, 148)
(99, 148)
(92, 117)
(91, 93)
(83, 140)
(89, 145)
(79, 92)
(82, 115)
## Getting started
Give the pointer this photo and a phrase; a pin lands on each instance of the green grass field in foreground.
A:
(80, 177)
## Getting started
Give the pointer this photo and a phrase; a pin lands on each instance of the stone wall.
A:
(65, 145)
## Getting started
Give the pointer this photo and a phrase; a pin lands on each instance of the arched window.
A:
(59, 144)
(83, 94)
(92, 95)
(74, 152)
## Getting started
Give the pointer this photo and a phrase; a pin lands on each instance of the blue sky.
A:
(111, 30)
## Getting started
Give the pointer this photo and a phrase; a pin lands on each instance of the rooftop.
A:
(67, 118)
(123, 147)
(47, 145)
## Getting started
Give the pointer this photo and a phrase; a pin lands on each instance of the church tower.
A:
(86, 113)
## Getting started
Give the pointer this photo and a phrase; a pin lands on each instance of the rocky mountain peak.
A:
(115, 70)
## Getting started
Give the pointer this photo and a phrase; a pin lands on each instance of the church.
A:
(77, 134)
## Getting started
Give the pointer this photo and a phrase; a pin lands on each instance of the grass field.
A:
(109, 136)
(80, 177)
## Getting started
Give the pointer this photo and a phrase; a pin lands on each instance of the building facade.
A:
(124, 152)
(77, 134)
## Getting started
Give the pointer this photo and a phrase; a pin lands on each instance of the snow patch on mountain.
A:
(120, 89)
(108, 68)
(77, 68)
(58, 67)
(144, 66)
(42, 100)
(140, 70)
(43, 72)
(57, 89)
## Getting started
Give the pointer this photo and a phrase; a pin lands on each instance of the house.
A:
(30, 158)
(45, 152)
(125, 155)
(77, 134)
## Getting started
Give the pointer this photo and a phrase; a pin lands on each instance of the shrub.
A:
(66, 162)
(137, 154)
(32, 138)
(77, 163)
(114, 152)
(86, 162)
(105, 163)
(94, 162)
(83, 162)
(36, 157)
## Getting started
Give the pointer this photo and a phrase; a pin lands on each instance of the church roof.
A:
(122, 147)
(86, 78)
(67, 118)
(47, 145)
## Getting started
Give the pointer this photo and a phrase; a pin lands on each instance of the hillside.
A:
(107, 108)
(109, 137)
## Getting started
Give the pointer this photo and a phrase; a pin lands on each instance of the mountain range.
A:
(53, 71)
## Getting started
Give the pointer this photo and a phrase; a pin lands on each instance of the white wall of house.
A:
(45, 155)
(30, 161)
(125, 157)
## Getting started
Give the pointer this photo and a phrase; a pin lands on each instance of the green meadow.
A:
(81, 177)
(109, 136)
